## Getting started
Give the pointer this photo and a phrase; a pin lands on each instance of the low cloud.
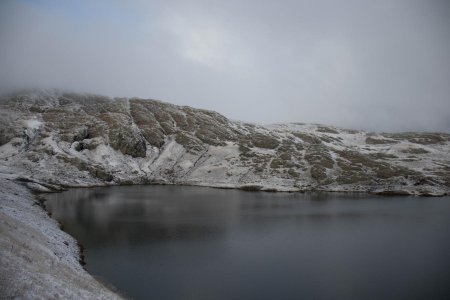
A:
(382, 66)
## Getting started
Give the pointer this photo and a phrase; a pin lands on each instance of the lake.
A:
(179, 242)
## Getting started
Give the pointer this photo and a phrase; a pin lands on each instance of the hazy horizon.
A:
(381, 66)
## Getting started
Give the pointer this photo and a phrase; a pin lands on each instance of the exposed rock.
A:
(73, 139)
(378, 141)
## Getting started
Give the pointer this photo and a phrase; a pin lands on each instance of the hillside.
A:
(53, 139)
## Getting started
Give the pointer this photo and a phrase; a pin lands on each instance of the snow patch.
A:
(32, 124)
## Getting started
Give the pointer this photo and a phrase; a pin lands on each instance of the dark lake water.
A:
(169, 242)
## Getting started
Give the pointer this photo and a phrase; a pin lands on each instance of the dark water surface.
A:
(169, 242)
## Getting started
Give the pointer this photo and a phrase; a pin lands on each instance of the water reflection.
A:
(173, 242)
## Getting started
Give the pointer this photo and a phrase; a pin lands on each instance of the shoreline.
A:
(38, 259)
(43, 187)
(23, 211)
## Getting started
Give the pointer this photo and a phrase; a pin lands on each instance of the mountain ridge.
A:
(57, 138)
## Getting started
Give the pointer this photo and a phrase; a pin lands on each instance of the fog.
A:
(375, 65)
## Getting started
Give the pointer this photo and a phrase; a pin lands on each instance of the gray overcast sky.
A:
(376, 65)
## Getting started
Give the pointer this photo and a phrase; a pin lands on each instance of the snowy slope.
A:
(67, 139)
(38, 260)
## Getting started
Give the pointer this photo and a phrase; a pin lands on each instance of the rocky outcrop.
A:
(68, 139)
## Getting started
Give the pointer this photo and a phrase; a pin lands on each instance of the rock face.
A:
(67, 139)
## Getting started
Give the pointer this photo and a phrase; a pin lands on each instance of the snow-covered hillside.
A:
(50, 140)
(55, 139)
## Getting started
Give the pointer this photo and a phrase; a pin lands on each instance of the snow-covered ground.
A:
(38, 260)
